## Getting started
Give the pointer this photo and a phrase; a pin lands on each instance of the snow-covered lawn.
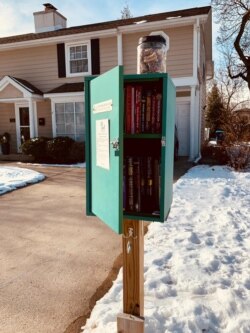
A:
(12, 178)
(197, 264)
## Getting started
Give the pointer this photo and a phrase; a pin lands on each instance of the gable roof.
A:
(26, 85)
(68, 88)
(108, 25)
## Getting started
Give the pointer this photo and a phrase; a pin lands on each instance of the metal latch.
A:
(163, 141)
(115, 144)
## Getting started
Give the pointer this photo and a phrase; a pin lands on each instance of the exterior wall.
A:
(7, 111)
(37, 65)
(44, 111)
(108, 53)
(10, 92)
(180, 54)
(244, 114)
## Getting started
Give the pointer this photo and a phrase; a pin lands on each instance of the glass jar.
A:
(151, 54)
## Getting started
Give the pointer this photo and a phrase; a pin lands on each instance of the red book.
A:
(128, 108)
(138, 98)
(148, 111)
(153, 113)
(133, 111)
(158, 112)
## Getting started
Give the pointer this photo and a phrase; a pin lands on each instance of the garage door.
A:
(183, 126)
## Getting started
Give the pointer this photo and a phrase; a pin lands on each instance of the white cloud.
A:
(13, 22)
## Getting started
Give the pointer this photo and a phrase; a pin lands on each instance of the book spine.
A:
(124, 186)
(156, 184)
(153, 113)
(149, 177)
(133, 111)
(137, 184)
(143, 112)
(130, 183)
(128, 105)
(148, 111)
(138, 94)
(158, 112)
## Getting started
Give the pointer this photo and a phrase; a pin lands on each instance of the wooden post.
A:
(132, 321)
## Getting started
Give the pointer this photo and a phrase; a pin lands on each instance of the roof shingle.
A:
(106, 25)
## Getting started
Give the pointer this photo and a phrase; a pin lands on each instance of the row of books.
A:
(141, 184)
(143, 110)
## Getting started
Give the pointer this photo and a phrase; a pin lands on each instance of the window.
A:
(77, 59)
(70, 120)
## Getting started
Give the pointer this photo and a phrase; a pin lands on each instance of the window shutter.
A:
(95, 56)
(61, 60)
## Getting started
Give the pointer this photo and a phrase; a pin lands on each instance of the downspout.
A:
(198, 158)
(119, 49)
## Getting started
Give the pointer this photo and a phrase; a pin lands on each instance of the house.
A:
(42, 73)
(244, 114)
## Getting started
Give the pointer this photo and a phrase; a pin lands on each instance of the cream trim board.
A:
(67, 58)
(62, 99)
(185, 81)
(59, 96)
(7, 80)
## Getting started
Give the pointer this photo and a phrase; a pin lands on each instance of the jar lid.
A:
(152, 38)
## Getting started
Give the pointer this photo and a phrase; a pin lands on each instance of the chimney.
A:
(49, 19)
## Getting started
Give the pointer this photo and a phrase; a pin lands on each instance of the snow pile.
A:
(12, 178)
(197, 264)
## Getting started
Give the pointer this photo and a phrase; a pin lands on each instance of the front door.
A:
(24, 124)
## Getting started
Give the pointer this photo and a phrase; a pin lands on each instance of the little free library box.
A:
(130, 123)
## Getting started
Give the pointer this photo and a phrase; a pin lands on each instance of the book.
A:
(128, 105)
(148, 111)
(158, 112)
(130, 184)
(153, 112)
(138, 101)
(137, 183)
(143, 112)
(132, 130)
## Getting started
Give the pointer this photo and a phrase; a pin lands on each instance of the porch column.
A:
(32, 119)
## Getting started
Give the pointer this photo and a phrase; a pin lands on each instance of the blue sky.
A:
(16, 17)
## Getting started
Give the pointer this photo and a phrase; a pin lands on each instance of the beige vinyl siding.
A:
(44, 111)
(38, 65)
(10, 92)
(108, 53)
(7, 111)
(179, 57)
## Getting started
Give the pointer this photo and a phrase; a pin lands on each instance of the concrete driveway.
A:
(54, 261)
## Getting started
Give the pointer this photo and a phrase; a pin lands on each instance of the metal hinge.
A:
(163, 141)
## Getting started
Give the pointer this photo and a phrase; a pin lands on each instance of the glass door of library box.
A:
(129, 146)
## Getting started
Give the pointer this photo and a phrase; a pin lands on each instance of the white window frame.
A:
(68, 98)
(67, 58)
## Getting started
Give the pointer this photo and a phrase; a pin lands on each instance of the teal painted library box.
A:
(130, 122)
